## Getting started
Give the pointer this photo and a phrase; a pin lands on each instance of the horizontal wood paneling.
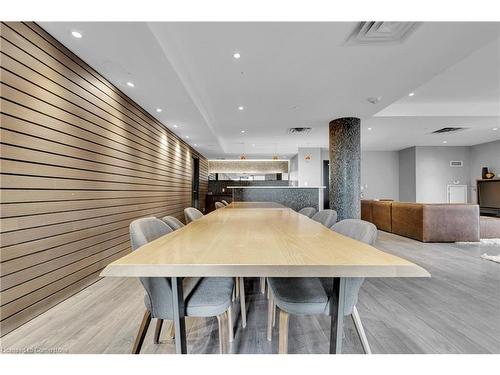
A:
(79, 161)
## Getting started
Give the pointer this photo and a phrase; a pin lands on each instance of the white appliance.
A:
(457, 193)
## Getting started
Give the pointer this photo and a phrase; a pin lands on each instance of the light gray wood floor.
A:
(456, 311)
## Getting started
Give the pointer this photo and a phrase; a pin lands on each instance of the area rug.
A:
(493, 258)
(484, 241)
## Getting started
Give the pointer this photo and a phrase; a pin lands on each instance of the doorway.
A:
(195, 197)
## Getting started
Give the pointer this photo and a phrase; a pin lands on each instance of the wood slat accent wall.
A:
(79, 161)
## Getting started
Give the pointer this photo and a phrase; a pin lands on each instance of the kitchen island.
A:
(295, 197)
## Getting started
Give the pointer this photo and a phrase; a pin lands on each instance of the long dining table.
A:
(259, 239)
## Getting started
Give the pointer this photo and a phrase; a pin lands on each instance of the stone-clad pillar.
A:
(345, 160)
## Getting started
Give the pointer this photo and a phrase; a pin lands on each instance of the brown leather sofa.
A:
(424, 222)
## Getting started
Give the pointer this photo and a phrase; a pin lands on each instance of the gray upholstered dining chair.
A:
(192, 214)
(308, 211)
(311, 296)
(326, 217)
(239, 288)
(224, 202)
(204, 297)
(172, 222)
(219, 205)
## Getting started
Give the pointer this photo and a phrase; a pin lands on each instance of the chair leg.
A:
(283, 332)
(171, 331)
(159, 323)
(143, 328)
(230, 324)
(242, 302)
(270, 309)
(221, 320)
(274, 314)
(237, 283)
(361, 332)
(262, 285)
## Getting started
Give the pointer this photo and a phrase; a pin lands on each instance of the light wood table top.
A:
(259, 242)
(255, 205)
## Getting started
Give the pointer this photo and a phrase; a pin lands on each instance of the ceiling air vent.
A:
(299, 131)
(449, 129)
(380, 32)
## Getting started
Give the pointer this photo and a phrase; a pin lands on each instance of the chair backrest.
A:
(158, 289)
(172, 222)
(362, 231)
(357, 229)
(219, 205)
(192, 214)
(308, 211)
(326, 217)
(224, 202)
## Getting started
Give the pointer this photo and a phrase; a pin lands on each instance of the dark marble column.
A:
(345, 160)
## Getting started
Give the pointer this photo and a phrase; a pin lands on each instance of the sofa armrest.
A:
(450, 222)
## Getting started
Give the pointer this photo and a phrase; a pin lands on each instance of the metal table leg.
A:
(179, 321)
(337, 326)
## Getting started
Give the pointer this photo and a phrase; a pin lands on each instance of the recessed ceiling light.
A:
(175, 126)
(253, 144)
(159, 110)
(242, 132)
(445, 141)
(187, 136)
(236, 55)
(495, 128)
(130, 84)
(411, 94)
(195, 144)
(241, 108)
(369, 128)
(76, 34)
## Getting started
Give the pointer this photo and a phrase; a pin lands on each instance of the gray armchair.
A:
(205, 297)
(312, 296)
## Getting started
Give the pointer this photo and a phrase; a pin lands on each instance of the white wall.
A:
(483, 155)
(380, 174)
(434, 174)
(310, 170)
(407, 177)
(415, 174)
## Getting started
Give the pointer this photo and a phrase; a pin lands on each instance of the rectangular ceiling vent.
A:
(456, 163)
(299, 131)
(449, 129)
(380, 32)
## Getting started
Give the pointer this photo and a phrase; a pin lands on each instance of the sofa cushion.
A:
(407, 220)
(382, 215)
(366, 210)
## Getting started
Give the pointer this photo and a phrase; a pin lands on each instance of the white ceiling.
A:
(299, 74)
